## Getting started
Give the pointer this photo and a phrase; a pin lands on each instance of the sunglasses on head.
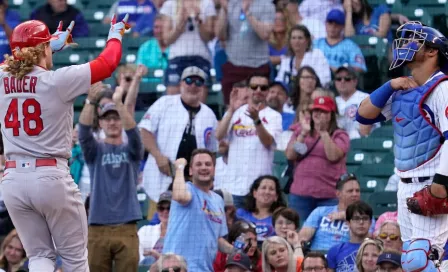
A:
(198, 82)
(392, 237)
(175, 269)
(346, 177)
(343, 78)
(163, 208)
(263, 88)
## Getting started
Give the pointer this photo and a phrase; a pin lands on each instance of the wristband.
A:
(257, 122)
(88, 102)
(181, 167)
(380, 96)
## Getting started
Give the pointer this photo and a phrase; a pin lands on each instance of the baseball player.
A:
(36, 109)
(418, 107)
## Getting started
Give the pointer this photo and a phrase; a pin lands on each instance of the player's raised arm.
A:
(374, 108)
(105, 64)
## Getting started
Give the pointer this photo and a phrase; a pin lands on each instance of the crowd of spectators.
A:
(289, 75)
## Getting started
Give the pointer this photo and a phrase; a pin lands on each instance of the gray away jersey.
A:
(36, 112)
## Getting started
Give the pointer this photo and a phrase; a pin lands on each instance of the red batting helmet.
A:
(29, 34)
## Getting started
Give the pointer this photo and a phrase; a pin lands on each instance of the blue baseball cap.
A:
(281, 84)
(389, 257)
(337, 16)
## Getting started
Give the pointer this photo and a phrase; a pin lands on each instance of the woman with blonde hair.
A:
(12, 254)
(279, 256)
(187, 27)
(368, 254)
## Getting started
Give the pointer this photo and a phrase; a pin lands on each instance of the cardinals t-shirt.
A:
(248, 157)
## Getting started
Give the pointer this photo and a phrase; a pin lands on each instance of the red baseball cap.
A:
(324, 103)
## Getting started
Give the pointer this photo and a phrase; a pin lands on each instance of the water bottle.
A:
(244, 24)
(239, 243)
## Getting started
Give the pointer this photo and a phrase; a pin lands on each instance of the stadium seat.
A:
(382, 202)
(68, 58)
(374, 177)
(142, 223)
(372, 144)
(358, 157)
(94, 15)
(79, 102)
(99, 4)
(90, 43)
(139, 115)
(133, 44)
(143, 268)
(99, 30)
(152, 87)
(414, 13)
(424, 3)
(383, 131)
(352, 168)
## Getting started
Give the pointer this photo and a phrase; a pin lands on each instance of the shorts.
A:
(177, 65)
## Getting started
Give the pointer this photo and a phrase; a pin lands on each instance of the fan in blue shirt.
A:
(339, 51)
(342, 257)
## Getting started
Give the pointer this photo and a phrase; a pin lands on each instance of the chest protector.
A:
(417, 139)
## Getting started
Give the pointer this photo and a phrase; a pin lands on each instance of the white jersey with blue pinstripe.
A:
(436, 109)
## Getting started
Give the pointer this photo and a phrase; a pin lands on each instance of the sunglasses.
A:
(197, 82)
(343, 78)
(360, 219)
(247, 225)
(175, 269)
(163, 208)
(346, 177)
(392, 237)
(263, 88)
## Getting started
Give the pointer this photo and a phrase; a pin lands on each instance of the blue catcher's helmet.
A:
(411, 37)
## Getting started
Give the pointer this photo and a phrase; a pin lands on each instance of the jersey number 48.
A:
(12, 117)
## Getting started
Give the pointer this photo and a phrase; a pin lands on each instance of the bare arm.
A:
(275, 60)
(290, 152)
(349, 29)
(170, 33)
(88, 111)
(126, 118)
(332, 151)
(223, 125)
(206, 29)
(221, 24)
(306, 234)
(385, 22)
(266, 139)
(364, 130)
(181, 193)
(263, 30)
(224, 246)
(368, 110)
(131, 97)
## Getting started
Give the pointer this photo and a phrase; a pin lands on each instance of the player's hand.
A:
(117, 97)
(403, 83)
(94, 91)
(117, 29)
(62, 39)
(164, 165)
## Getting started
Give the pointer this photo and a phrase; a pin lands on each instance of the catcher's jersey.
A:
(36, 112)
(436, 109)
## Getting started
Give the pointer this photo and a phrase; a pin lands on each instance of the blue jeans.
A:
(304, 205)
(239, 201)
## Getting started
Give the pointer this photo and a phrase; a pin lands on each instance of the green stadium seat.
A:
(358, 157)
(424, 3)
(94, 15)
(143, 268)
(388, 158)
(76, 115)
(133, 44)
(99, 30)
(79, 101)
(90, 44)
(383, 131)
(152, 87)
(280, 158)
(352, 168)
(382, 202)
(139, 115)
(99, 4)
(414, 13)
(372, 144)
(142, 223)
(69, 58)
(374, 177)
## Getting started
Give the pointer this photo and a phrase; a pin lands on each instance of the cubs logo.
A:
(446, 112)
(208, 138)
(350, 111)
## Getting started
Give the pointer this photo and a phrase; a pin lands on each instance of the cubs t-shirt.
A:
(345, 52)
(328, 233)
(342, 257)
(263, 227)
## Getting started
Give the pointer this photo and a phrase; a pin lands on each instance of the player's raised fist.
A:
(62, 39)
(117, 29)
(403, 83)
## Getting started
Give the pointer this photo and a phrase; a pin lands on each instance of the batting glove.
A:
(117, 29)
(62, 39)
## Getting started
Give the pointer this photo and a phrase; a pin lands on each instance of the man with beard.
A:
(197, 221)
(276, 99)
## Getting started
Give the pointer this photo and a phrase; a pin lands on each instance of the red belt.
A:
(39, 163)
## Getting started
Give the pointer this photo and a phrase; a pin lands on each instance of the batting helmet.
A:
(410, 39)
(29, 34)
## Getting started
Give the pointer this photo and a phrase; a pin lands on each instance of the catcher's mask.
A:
(411, 37)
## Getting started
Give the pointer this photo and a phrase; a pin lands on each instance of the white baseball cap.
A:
(193, 71)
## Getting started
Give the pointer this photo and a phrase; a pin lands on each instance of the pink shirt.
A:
(315, 175)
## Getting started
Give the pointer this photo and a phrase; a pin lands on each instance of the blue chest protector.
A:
(417, 139)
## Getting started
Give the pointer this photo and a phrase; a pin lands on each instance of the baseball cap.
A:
(324, 103)
(281, 84)
(337, 16)
(107, 108)
(350, 71)
(240, 260)
(165, 196)
(228, 198)
(389, 257)
(193, 71)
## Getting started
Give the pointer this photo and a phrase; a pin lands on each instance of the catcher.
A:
(418, 107)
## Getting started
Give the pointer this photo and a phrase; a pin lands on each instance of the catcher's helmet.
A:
(411, 37)
(29, 34)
